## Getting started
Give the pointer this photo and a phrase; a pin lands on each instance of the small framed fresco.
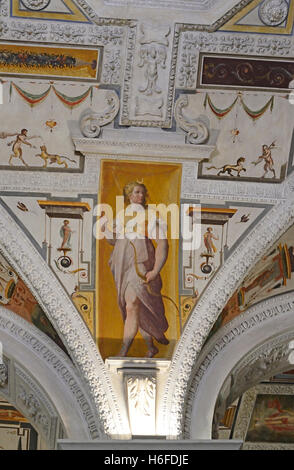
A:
(265, 417)
(67, 63)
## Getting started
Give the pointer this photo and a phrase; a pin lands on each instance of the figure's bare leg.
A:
(132, 320)
(20, 157)
(11, 157)
(152, 349)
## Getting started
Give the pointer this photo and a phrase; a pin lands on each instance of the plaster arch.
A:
(38, 370)
(253, 347)
(57, 305)
(213, 300)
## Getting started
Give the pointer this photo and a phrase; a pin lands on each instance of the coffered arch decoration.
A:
(39, 379)
(213, 300)
(27, 262)
(242, 354)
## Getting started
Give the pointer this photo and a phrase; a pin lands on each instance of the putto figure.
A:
(136, 267)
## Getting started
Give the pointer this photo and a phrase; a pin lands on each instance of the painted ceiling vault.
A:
(177, 113)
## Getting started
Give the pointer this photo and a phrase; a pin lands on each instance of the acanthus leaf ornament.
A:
(142, 392)
(197, 131)
(91, 122)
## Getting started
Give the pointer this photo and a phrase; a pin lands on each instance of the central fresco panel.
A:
(124, 290)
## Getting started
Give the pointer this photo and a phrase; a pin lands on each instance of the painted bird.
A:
(22, 207)
(243, 219)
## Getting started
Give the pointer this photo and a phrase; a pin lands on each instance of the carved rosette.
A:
(197, 131)
(36, 5)
(273, 12)
(91, 123)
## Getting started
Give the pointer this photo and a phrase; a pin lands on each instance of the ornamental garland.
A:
(29, 97)
(254, 114)
(70, 101)
(73, 101)
(220, 113)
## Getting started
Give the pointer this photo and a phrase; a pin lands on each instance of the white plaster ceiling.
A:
(174, 4)
(181, 11)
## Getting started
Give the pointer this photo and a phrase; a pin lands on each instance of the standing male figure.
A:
(267, 157)
(21, 138)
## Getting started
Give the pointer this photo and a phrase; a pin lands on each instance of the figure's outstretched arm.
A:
(258, 160)
(3, 135)
(33, 137)
(27, 143)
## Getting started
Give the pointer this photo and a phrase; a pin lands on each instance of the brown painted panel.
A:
(246, 72)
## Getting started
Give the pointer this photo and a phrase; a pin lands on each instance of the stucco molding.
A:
(143, 149)
(32, 402)
(30, 266)
(249, 352)
(213, 300)
(28, 340)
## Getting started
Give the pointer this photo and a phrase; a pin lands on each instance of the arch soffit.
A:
(50, 376)
(253, 347)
